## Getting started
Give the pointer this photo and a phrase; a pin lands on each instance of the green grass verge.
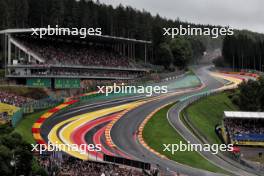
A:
(24, 129)
(25, 125)
(158, 131)
(208, 112)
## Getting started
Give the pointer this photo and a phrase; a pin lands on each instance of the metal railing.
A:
(32, 107)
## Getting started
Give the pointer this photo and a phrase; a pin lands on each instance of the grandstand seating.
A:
(62, 53)
(74, 167)
(249, 137)
(67, 59)
(245, 129)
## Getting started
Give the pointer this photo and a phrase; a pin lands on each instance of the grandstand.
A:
(65, 61)
(244, 128)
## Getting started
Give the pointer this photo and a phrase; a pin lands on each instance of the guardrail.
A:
(196, 97)
(92, 98)
(32, 107)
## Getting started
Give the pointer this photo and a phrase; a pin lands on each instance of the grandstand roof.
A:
(104, 37)
(243, 115)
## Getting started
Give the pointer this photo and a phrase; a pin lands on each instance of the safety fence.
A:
(127, 162)
(52, 102)
(34, 106)
(188, 100)
(94, 98)
(68, 104)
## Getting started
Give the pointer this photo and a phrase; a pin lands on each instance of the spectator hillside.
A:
(13, 99)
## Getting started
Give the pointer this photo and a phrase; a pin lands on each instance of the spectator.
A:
(13, 99)
(67, 54)
(244, 127)
(75, 167)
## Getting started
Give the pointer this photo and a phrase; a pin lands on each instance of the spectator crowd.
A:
(244, 126)
(74, 167)
(60, 57)
(92, 73)
(13, 99)
(73, 54)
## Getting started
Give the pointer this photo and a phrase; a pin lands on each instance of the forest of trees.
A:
(250, 95)
(119, 21)
(14, 149)
(243, 51)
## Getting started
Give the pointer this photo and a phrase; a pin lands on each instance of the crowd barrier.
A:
(196, 97)
(32, 107)
(127, 162)
(92, 98)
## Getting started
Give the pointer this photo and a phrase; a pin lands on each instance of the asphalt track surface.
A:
(124, 130)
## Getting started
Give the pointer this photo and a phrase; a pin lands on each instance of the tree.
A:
(243, 51)
(13, 148)
(24, 159)
(119, 21)
(157, 37)
(55, 11)
(249, 96)
(4, 14)
(5, 159)
(38, 13)
(164, 55)
(181, 50)
(22, 13)
(70, 15)
(198, 48)
(261, 93)
(5, 129)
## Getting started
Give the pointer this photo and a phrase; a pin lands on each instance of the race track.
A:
(114, 125)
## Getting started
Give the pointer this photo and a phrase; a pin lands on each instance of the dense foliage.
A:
(119, 21)
(250, 95)
(244, 52)
(14, 149)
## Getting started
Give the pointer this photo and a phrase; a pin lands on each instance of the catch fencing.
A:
(34, 106)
